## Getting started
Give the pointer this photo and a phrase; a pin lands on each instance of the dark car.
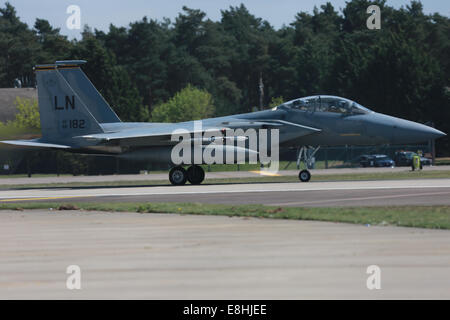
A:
(376, 160)
(364, 160)
(382, 160)
(404, 159)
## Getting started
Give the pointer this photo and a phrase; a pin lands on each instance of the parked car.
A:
(404, 159)
(376, 160)
(364, 160)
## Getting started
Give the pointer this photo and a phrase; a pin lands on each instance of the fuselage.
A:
(351, 124)
(370, 128)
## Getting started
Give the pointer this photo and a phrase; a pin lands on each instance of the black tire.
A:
(304, 176)
(195, 174)
(177, 176)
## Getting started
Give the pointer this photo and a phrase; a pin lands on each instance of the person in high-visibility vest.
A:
(416, 163)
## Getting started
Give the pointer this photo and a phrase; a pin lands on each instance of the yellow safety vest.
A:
(416, 162)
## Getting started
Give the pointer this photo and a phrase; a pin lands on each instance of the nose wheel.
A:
(304, 176)
(306, 154)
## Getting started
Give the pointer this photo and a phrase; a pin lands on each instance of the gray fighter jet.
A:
(76, 118)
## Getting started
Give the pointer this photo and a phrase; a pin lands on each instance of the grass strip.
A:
(432, 217)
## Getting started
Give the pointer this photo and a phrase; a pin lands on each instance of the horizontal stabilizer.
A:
(34, 144)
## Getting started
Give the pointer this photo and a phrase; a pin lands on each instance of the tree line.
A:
(402, 69)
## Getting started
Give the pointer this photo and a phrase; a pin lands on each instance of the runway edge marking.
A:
(4, 199)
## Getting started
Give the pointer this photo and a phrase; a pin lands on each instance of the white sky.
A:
(99, 14)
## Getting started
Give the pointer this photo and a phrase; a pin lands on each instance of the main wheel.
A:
(177, 176)
(195, 174)
(304, 176)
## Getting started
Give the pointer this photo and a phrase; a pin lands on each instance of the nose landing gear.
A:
(305, 156)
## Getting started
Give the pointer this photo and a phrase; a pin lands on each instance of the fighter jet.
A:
(76, 118)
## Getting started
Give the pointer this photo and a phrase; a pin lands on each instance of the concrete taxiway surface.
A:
(157, 256)
(4, 180)
(337, 193)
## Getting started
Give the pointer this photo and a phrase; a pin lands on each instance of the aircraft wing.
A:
(150, 136)
(161, 135)
(35, 143)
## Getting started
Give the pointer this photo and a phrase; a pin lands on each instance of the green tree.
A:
(27, 116)
(18, 48)
(26, 123)
(276, 101)
(112, 80)
(54, 46)
(144, 50)
(402, 69)
(188, 104)
(249, 59)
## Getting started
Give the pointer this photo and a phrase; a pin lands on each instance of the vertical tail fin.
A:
(63, 112)
(81, 84)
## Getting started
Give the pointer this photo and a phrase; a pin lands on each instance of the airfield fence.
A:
(59, 163)
(348, 156)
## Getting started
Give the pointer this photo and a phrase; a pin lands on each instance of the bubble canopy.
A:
(332, 104)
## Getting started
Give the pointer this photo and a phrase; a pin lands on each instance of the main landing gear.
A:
(194, 174)
(305, 155)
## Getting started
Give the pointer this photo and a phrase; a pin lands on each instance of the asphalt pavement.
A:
(5, 180)
(168, 256)
(321, 194)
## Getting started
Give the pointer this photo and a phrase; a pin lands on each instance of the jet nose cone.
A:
(434, 133)
(427, 133)
(417, 132)
(388, 129)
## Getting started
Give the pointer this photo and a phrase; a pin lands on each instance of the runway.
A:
(168, 256)
(5, 180)
(323, 194)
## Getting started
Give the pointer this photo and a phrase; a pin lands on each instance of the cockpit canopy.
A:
(325, 104)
